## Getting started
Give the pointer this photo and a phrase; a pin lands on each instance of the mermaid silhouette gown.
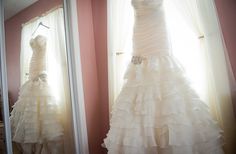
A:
(35, 116)
(156, 111)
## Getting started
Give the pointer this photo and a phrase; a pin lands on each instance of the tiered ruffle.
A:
(157, 112)
(35, 116)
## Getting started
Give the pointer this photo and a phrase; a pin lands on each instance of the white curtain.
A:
(56, 63)
(221, 71)
(186, 46)
(120, 25)
(214, 71)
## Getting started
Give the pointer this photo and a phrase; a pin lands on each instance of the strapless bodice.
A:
(38, 59)
(146, 4)
(150, 31)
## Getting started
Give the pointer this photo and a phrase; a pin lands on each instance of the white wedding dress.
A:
(35, 115)
(157, 112)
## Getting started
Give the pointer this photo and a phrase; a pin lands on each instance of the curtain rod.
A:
(42, 15)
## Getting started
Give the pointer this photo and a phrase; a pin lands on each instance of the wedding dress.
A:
(156, 111)
(35, 115)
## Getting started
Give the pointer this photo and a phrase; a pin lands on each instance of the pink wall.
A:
(227, 16)
(94, 105)
(100, 33)
(13, 40)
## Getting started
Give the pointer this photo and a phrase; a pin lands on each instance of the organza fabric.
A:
(35, 115)
(157, 111)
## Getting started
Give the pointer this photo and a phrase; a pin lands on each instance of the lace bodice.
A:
(38, 59)
(150, 33)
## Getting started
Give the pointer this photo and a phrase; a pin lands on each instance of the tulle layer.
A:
(35, 116)
(209, 148)
(157, 112)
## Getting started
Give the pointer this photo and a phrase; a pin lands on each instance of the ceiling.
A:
(12, 7)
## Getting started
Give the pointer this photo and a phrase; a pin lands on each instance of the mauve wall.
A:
(13, 41)
(100, 35)
(91, 82)
(227, 16)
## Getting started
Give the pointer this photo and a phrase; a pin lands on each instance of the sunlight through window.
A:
(186, 47)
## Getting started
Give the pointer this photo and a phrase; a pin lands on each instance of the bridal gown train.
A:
(156, 111)
(35, 116)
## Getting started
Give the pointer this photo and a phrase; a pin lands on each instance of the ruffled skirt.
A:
(35, 116)
(158, 113)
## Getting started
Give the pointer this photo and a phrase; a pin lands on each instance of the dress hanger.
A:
(40, 24)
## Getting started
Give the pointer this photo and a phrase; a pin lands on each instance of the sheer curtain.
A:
(120, 25)
(201, 17)
(217, 55)
(56, 62)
